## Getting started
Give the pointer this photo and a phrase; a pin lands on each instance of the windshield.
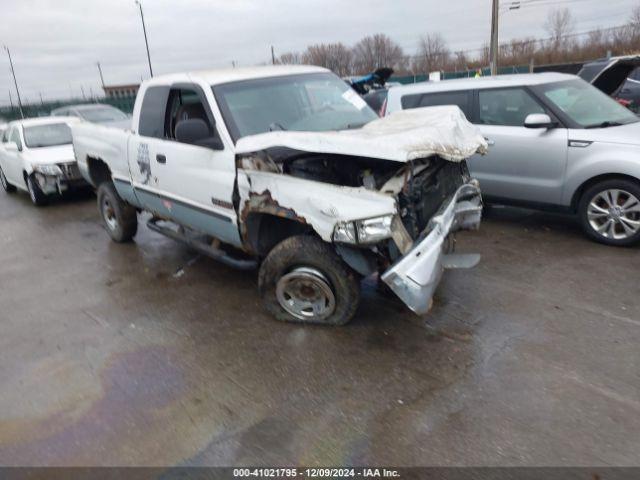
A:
(586, 105)
(310, 102)
(47, 135)
(102, 114)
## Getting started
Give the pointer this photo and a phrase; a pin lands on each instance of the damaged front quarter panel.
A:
(319, 205)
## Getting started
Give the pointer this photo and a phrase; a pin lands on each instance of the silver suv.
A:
(556, 143)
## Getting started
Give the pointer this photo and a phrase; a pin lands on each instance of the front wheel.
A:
(38, 197)
(5, 183)
(304, 280)
(610, 212)
(119, 218)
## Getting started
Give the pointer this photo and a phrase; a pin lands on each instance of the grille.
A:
(428, 192)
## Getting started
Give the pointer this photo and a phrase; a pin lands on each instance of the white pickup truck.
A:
(287, 169)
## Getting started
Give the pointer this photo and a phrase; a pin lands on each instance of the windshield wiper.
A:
(353, 126)
(276, 126)
(605, 124)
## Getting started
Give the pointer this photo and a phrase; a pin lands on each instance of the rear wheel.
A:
(118, 217)
(303, 280)
(610, 212)
(38, 197)
(5, 183)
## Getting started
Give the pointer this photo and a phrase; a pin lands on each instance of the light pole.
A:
(15, 81)
(494, 48)
(101, 77)
(146, 40)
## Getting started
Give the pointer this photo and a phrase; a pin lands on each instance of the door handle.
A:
(490, 142)
(160, 158)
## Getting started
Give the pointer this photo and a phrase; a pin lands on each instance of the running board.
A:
(202, 247)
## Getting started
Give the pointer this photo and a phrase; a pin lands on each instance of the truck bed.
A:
(97, 142)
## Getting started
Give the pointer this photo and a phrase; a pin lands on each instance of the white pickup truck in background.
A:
(287, 169)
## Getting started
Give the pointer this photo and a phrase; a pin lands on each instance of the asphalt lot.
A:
(147, 354)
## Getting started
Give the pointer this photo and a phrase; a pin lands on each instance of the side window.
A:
(462, 99)
(152, 112)
(508, 107)
(185, 104)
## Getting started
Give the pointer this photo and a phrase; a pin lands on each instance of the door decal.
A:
(144, 163)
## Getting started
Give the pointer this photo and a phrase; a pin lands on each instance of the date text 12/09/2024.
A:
(362, 472)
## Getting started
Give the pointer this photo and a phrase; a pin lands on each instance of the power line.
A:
(524, 42)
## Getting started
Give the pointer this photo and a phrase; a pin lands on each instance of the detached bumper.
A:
(415, 277)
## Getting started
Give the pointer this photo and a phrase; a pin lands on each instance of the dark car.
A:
(618, 77)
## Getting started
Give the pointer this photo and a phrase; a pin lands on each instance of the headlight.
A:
(53, 170)
(369, 230)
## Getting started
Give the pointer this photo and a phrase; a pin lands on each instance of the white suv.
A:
(555, 143)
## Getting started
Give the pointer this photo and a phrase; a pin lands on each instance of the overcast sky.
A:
(55, 44)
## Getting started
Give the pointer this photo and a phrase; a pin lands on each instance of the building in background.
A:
(121, 91)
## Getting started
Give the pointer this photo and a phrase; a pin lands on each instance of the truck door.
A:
(188, 180)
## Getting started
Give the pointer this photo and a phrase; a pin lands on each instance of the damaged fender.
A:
(319, 205)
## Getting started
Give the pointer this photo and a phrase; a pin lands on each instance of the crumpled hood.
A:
(402, 136)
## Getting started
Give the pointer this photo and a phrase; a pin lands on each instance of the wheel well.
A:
(98, 171)
(264, 231)
(592, 181)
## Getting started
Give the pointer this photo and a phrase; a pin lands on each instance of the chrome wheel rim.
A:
(614, 214)
(109, 214)
(306, 294)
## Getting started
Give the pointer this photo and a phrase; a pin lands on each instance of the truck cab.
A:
(286, 169)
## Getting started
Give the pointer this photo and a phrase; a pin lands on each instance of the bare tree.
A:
(433, 54)
(461, 61)
(289, 58)
(377, 51)
(559, 24)
(334, 56)
(635, 16)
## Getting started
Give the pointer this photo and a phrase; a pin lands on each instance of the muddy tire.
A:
(5, 183)
(304, 280)
(118, 217)
(609, 212)
(38, 197)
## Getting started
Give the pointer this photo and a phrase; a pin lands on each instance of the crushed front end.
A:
(435, 198)
(415, 275)
(58, 178)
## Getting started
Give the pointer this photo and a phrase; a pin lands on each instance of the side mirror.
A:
(539, 120)
(195, 131)
(11, 147)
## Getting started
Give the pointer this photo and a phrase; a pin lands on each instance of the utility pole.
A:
(10, 99)
(15, 81)
(101, 77)
(41, 100)
(494, 48)
(273, 56)
(146, 40)
(84, 97)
